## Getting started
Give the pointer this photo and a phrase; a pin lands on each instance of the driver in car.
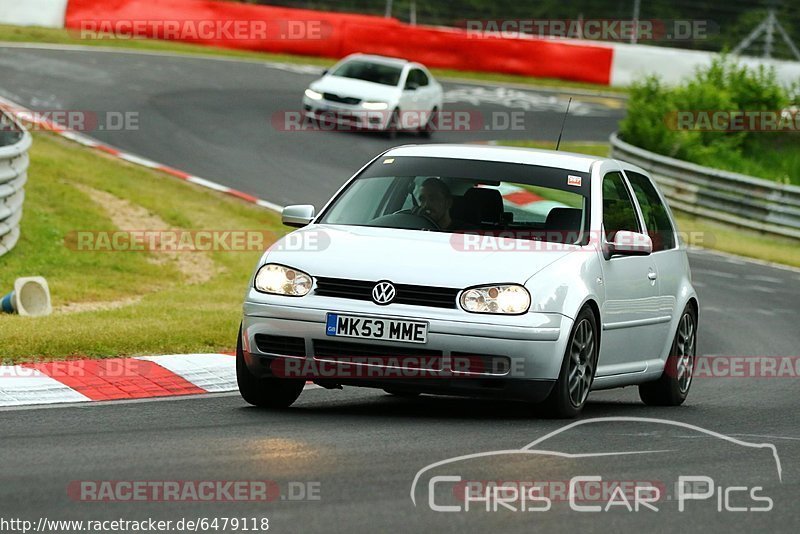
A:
(435, 201)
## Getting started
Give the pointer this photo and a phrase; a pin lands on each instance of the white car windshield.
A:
(453, 195)
(368, 71)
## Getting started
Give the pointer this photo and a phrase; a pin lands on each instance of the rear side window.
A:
(618, 210)
(654, 212)
(416, 76)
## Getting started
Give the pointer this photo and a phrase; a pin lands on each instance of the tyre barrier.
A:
(14, 144)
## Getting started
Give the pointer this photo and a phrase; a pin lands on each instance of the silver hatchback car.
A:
(479, 271)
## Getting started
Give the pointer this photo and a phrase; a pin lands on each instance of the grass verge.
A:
(26, 34)
(701, 232)
(161, 308)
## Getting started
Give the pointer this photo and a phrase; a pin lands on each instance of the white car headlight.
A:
(501, 299)
(282, 280)
(375, 105)
(313, 95)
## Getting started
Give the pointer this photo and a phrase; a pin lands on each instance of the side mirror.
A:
(298, 215)
(630, 244)
(324, 72)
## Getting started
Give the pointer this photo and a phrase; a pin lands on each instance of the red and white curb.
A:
(116, 378)
(109, 379)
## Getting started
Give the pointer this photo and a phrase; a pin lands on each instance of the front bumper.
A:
(533, 343)
(351, 116)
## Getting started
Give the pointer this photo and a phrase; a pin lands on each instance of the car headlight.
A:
(501, 299)
(313, 95)
(282, 280)
(375, 105)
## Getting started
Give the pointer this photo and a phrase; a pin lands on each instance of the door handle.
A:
(652, 275)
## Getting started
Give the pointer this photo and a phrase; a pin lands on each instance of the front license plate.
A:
(373, 328)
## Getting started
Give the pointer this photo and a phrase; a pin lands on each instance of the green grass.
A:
(700, 232)
(29, 34)
(771, 157)
(525, 80)
(600, 149)
(172, 316)
(653, 120)
(748, 243)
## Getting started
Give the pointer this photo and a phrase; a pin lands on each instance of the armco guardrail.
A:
(730, 197)
(14, 144)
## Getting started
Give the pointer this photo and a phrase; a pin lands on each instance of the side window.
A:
(411, 78)
(417, 77)
(654, 212)
(618, 210)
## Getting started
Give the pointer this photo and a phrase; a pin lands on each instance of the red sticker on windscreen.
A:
(574, 180)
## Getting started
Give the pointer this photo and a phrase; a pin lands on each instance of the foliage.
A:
(652, 121)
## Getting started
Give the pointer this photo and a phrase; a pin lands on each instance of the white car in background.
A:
(375, 93)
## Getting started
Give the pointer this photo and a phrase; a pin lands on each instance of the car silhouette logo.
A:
(383, 293)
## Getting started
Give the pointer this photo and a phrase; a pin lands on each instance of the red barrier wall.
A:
(318, 33)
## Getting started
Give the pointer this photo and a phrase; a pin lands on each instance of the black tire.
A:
(266, 392)
(565, 402)
(427, 130)
(394, 125)
(672, 388)
(401, 393)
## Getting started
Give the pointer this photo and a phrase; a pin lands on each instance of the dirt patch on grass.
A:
(78, 307)
(196, 267)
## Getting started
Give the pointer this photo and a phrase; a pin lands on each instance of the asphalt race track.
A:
(222, 120)
(361, 449)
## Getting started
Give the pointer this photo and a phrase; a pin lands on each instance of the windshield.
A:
(453, 195)
(370, 72)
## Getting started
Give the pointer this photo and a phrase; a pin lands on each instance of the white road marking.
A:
(766, 436)
(763, 289)
(524, 100)
(759, 278)
(717, 274)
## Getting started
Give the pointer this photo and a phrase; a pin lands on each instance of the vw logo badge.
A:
(383, 293)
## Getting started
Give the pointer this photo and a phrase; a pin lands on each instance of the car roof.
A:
(527, 156)
(400, 62)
